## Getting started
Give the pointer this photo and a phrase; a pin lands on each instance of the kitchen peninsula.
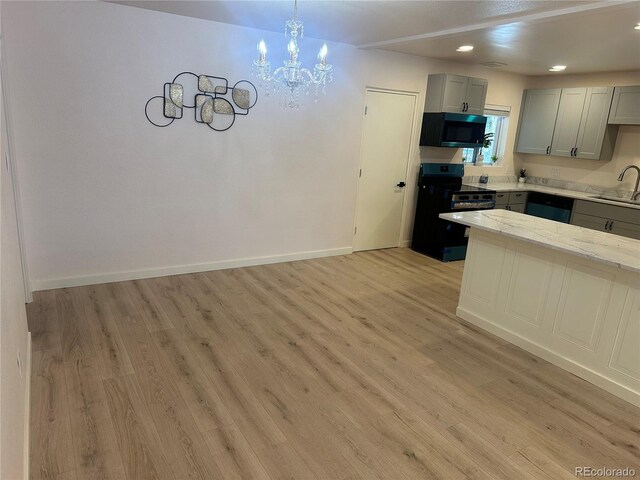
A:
(565, 293)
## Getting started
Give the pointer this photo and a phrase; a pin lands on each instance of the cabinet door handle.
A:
(611, 226)
(466, 107)
(548, 148)
(606, 226)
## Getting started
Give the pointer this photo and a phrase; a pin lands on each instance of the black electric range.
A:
(440, 190)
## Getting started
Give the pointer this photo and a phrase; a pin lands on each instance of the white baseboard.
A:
(27, 413)
(581, 371)
(405, 243)
(49, 284)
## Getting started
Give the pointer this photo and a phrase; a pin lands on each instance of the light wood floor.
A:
(350, 367)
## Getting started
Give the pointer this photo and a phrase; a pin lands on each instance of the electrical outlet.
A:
(19, 362)
(555, 172)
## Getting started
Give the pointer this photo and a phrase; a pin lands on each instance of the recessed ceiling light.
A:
(557, 68)
(464, 48)
(637, 27)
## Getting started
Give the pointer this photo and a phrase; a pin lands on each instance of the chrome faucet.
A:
(635, 193)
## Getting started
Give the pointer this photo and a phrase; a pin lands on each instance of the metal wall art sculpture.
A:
(216, 105)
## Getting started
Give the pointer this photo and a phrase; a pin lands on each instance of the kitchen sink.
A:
(618, 199)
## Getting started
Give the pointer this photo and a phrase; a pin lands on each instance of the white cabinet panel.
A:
(626, 350)
(482, 276)
(529, 287)
(584, 299)
(578, 314)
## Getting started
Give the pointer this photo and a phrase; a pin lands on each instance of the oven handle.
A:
(473, 205)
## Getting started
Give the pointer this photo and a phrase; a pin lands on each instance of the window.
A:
(497, 123)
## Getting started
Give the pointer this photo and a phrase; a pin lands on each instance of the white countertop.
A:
(533, 187)
(613, 250)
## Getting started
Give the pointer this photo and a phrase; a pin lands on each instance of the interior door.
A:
(386, 144)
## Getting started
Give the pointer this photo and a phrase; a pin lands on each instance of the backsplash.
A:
(555, 183)
(580, 187)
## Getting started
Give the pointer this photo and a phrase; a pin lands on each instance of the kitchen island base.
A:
(577, 313)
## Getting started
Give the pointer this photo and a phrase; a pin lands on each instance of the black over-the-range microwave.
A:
(454, 130)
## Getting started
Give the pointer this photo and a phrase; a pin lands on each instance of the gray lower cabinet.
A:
(518, 207)
(514, 201)
(624, 221)
(625, 107)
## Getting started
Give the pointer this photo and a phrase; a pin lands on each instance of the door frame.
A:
(9, 149)
(412, 147)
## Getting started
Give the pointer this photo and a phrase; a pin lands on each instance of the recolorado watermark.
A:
(584, 471)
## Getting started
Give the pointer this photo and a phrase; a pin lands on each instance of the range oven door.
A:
(439, 238)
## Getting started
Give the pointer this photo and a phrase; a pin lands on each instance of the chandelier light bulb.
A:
(262, 48)
(293, 50)
(322, 55)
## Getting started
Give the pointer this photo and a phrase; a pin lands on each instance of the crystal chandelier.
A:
(291, 80)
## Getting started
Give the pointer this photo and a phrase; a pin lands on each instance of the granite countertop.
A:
(613, 250)
(532, 187)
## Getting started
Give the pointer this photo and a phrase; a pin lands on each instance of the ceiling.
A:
(529, 36)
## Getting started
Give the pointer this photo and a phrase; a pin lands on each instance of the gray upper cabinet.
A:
(456, 94)
(596, 140)
(476, 95)
(625, 108)
(537, 119)
(568, 122)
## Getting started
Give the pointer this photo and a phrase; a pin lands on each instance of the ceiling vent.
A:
(493, 64)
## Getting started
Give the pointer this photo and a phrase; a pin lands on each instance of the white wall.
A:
(592, 172)
(105, 192)
(13, 326)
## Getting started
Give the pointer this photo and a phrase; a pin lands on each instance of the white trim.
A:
(9, 151)
(571, 366)
(27, 413)
(181, 269)
(405, 243)
(497, 110)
